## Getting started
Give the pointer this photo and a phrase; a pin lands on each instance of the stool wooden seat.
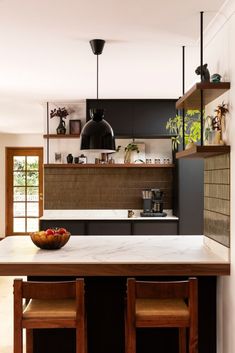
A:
(162, 304)
(48, 305)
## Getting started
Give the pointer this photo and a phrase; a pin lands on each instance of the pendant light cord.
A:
(97, 78)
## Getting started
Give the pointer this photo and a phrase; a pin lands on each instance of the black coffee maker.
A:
(152, 203)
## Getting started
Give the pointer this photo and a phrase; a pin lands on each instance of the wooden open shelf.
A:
(55, 136)
(114, 165)
(192, 98)
(202, 152)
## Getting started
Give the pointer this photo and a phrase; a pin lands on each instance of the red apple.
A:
(61, 231)
(50, 231)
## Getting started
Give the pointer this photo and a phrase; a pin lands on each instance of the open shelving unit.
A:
(114, 165)
(192, 98)
(196, 98)
(66, 136)
(202, 152)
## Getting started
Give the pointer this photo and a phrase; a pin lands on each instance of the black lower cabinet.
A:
(105, 297)
(112, 227)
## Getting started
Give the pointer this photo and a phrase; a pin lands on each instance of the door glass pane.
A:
(32, 178)
(32, 193)
(32, 225)
(19, 225)
(19, 179)
(19, 193)
(24, 183)
(32, 209)
(19, 163)
(19, 209)
(32, 163)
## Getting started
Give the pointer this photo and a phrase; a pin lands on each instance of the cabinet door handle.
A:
(40, 196)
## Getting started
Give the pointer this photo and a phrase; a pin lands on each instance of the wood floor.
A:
(6, 315)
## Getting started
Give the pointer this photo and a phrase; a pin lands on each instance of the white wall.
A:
(220, 56)
(13, 140)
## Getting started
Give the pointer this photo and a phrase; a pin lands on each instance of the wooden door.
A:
(24, 189)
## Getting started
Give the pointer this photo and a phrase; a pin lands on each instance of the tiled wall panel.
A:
(97, 188)
(217, 198)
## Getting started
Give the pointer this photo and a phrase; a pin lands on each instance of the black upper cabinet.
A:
(136, 117)
(118, 113)
(150, 117)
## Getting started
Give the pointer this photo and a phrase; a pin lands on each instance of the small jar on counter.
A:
(82, 159)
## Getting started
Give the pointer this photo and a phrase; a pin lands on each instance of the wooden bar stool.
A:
(48, 305)
(162, 304)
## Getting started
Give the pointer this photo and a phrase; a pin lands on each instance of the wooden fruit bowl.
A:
(49, 242)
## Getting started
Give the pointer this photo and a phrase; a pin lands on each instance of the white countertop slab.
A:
(101, 215)
(111, 250)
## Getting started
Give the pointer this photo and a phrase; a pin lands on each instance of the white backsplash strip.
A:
(154, 149)
(101, 214)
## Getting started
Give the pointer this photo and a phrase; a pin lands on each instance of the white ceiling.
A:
(45, 54)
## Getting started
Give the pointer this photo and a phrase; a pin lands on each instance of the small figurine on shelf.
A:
(204, 72)
(61, 113)
(215, 78)
(69, 158)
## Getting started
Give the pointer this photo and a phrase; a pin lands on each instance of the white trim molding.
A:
(226, 11)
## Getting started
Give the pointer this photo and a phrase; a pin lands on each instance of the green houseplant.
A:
(131, 147)
(192, 128)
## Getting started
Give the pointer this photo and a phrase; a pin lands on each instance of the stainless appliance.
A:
(152, 203)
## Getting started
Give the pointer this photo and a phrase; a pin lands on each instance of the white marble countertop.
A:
(112, 249)
(112, 256)
(102, 215)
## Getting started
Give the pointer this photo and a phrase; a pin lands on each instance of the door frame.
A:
(9, 153)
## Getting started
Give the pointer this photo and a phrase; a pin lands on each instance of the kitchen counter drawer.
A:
(73, 226)
(155, 228)
(109, 228)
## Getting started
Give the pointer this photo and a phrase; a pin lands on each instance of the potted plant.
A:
(61, 113)
(192, 129)
(129, 149)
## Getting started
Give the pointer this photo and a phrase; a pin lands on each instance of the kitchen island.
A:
(105, 262)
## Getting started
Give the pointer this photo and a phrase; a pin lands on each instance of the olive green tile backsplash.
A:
(107, 188)
(217, 198)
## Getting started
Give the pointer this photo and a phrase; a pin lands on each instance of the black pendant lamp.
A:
(97, 135)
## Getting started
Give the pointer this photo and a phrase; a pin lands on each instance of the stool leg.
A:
(130, 337)
(182, 340)
(80, 339)
(18, 339)
(193, 340)
(29, 341)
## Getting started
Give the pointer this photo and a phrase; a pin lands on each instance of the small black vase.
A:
(61, 129)
(69, 158)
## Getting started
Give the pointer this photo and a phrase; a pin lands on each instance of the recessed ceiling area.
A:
(45, 53)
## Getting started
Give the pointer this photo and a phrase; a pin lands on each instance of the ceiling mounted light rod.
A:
(183, 91)
(97, 135)
(97, 46)
(201, 41)
(201, 60)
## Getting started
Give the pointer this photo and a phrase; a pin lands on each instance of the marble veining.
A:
(101, 215)
(112, 250)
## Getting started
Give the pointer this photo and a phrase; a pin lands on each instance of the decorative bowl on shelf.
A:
(51, 239)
